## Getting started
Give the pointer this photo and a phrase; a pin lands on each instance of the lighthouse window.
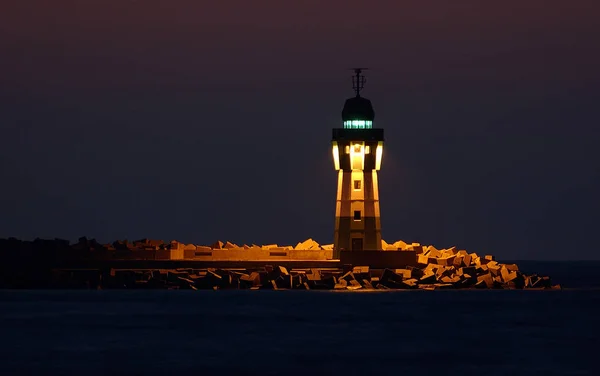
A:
(357, 185)
(357, 215)
(358, 124)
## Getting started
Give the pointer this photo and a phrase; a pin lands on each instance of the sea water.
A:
(450, 332)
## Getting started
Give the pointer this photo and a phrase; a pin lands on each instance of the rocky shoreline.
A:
(37, 265)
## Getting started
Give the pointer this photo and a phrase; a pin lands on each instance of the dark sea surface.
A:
(450, 332)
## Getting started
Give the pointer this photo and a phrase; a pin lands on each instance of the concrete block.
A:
(305, 245)
(417, 248)
(367, 284)
(489, 257)
(458, 261)
(446, 279)
(494, 269)
(512, 267)
(455, 279)
(487, 279)
(441, 271)
(390, 276)
(327, 247)
(482, 268)
(283, 270)
(348, 276)
(443, 286)
(354, 285)
(433, 252)
(481, 285)
(313, 275)
(341, 284)
(415, 272)
(405, 273)
(253, 279)
(360, 270)
(431, 267)
(428, 278)
(422, 259)
(384, 244)
(446, 261)
(217, 245)
(400, 245)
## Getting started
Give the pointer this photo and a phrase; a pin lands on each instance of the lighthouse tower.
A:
(357, 150)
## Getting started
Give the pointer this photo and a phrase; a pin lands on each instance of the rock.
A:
(283, 271)
(361, 272)
(428, 278)
(348, 276)
(367, 284)
(390, 278)
(400, 245)
(443, 286)
(354, 285)
(446, 261)
(314, 275)
(422, 259)
(217, 245)
(229, 245)
(487, 279)
(512, 267)
(251, 280)
(481, 285)
(405, 273)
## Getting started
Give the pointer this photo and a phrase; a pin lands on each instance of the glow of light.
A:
(336, 156)
(367, 149)
(378, 155)
(358, 124)
(357, 157)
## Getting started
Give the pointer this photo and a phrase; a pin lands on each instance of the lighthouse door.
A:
(357, 244)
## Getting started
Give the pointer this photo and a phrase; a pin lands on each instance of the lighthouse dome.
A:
(358, 108)
(358, 113)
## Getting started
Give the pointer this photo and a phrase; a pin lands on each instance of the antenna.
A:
(358, 81)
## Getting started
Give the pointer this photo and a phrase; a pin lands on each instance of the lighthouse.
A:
(357, 149)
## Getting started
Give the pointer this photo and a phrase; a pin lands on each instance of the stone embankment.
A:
(34, 265)
(458, 272)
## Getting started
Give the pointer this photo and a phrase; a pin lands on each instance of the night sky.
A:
(205, 120)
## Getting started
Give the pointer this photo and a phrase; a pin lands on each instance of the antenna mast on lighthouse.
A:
(358, 81)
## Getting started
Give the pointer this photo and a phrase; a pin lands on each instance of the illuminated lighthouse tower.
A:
(357, 150)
